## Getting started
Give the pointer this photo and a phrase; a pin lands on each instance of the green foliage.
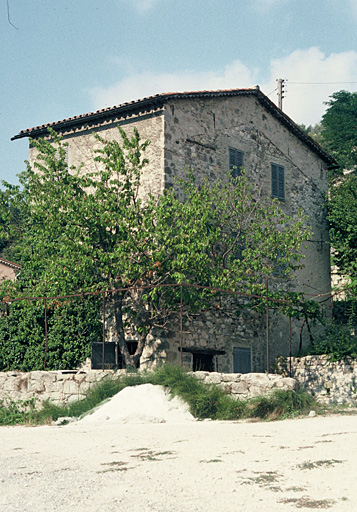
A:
(10, 222)
(342, 215)
(337, 343)
(88, 229)
(72, 327)
(315, 132)
(339, 129)
(280, 404)
(15, 412)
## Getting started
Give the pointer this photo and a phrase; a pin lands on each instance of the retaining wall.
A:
(63, 387)
(330, 382)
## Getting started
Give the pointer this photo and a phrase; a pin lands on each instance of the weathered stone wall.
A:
(329, 382)
(220, 331)
(66, 387)
(198, 134)
(7, 272)
(82, 145)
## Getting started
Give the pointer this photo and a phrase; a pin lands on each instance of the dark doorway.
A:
(132, 346)
(202, 362)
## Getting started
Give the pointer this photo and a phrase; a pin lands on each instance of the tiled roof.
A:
(10, 264)
(157, 101)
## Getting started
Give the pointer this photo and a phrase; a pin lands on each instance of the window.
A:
(242, 358)
(235, 162)
(66, 158)
(277, 181)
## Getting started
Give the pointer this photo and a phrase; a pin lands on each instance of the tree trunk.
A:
(130, 360)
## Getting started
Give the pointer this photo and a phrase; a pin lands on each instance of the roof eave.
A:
(158, 101)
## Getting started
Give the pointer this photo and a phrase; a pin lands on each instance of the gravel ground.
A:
(302, 464)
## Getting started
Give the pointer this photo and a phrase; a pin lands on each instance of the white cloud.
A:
(144, 5)
(309, 73)
(353, 6)
(265, 5)
(312, 78)
(144, 84)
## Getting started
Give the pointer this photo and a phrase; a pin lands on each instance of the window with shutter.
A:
(277, 181)
(57, 154)
(235, 162)
(242, 360)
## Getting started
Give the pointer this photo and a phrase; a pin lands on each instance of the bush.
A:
(337, 343)
(72, 327)
(280, 404)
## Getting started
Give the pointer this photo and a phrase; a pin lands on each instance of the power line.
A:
(272, 91)
(320, 83)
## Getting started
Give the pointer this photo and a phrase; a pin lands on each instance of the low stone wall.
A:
(63, 387)
(248, 385)
(329, 382)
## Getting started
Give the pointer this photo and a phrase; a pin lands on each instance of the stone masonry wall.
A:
(199, 133)
(65, 387)
(329, 382)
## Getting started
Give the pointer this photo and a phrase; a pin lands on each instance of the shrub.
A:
(72, 327)
(337, 343)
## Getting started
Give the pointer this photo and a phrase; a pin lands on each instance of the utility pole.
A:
(281, 82)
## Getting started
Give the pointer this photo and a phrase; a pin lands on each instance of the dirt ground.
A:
(289, 465)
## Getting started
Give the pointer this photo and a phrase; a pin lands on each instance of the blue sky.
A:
(70, 57)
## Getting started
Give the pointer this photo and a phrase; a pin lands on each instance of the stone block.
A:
(240, 388)
(36, 375)
(230, 377)
(289, 383)
(70, 387)
(213, 378)
(257, 379)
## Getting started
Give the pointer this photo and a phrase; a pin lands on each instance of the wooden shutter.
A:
(66, 158)
(242, 358)
(235, 162)
(277, 181)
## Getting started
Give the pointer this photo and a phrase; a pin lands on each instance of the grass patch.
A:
(205, 400)
(318, 464)
(280, 404)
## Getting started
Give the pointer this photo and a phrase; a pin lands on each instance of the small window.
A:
(277, 181)
(242, 360)
(66, 158)
(235, 162)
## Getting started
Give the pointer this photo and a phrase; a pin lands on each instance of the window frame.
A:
(235, 168)
(277, 177)
(238, 363)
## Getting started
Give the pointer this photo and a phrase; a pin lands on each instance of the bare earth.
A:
(299, 464)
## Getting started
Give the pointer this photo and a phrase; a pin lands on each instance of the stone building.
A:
(211, 132)
(8, 270)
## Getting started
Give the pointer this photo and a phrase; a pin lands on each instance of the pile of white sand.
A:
(141, 404)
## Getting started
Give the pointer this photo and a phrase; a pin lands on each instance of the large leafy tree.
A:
(90, 230)
(342, 215)
(10, 223)
(339, 129)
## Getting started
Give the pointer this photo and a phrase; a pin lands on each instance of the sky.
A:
(69, 57)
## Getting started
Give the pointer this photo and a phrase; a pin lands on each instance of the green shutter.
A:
(235, 162)
(277, 181)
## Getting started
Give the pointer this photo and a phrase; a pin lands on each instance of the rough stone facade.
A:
(197, 130)
(65, 387)
(8, 270)
(330, 382)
